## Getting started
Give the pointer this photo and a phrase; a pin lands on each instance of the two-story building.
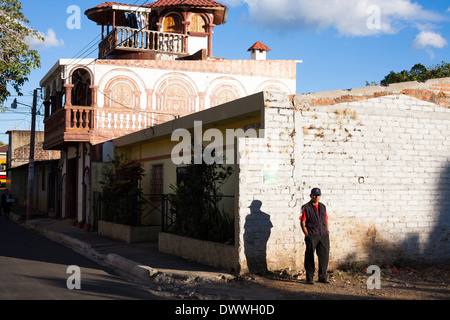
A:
(155, 64)
(46, 174)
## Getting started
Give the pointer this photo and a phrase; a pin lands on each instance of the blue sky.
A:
(342, 43)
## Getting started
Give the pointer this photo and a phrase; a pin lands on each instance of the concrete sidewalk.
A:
(140, 259)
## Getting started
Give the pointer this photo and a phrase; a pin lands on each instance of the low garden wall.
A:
(128, 234)
(209, 253)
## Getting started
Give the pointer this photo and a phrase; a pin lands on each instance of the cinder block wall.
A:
(381, 156)
(269, 186)
(383, 165)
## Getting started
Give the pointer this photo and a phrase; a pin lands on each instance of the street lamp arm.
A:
(15, 103)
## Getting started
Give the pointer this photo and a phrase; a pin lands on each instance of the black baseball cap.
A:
(316, 192)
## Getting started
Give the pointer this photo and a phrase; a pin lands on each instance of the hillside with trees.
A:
(417, 73)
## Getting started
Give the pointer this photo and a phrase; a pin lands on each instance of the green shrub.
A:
(121, 195)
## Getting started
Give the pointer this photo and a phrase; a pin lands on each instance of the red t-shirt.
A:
(303, 217)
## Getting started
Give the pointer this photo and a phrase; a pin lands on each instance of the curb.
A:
(112, 259)
(123, 264)
(68, 241)
(132, 267)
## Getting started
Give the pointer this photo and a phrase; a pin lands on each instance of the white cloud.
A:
(428, 39)
(50, 40)
(348, 17)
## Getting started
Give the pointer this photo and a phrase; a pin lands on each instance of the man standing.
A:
(6, 203)
(314, 221)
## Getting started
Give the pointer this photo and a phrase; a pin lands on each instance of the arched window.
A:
(226, 95)
(81, 93)
(197, 23)
(172, 23)
(176, 99)
(122, 95)
(122, 92)
(176, 95)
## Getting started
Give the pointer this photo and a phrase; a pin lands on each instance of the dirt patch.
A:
(396, 283)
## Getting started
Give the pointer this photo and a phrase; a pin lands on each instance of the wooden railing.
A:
(142, 40)
(70, 123)
(91, 124)
(80, 119)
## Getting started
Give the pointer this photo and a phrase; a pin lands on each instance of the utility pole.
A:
(31, 162)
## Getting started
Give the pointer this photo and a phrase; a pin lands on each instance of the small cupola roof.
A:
(259, 51)
(259, 46)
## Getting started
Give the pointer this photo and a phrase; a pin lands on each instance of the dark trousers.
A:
(321, 245)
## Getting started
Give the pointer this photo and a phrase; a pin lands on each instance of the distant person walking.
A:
(6, 203)
(314, 221)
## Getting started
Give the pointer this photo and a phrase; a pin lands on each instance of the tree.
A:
(418, 73)
(195, 204)
(16, 58)
(121, 195)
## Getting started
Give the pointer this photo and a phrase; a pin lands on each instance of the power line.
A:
(9, 120)
(95, 45)
(25, 113)
(82, 51)
(19, 96)
(133, 109)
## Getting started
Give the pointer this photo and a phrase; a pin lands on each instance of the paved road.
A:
(34, 267)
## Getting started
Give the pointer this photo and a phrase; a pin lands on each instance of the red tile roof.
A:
(194, 3)
(109, 4)
(164, 3)
(259, 46)
(4, 148)
(99, 13)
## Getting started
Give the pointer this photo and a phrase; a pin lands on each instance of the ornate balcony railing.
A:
(79, 119)
(71, 124)
(118, 119)
(68, 124)
(128, 39)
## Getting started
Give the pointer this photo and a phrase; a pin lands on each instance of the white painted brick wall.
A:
(383, 165)
(282, 248)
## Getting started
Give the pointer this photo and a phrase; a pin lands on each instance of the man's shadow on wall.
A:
(257, 233)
